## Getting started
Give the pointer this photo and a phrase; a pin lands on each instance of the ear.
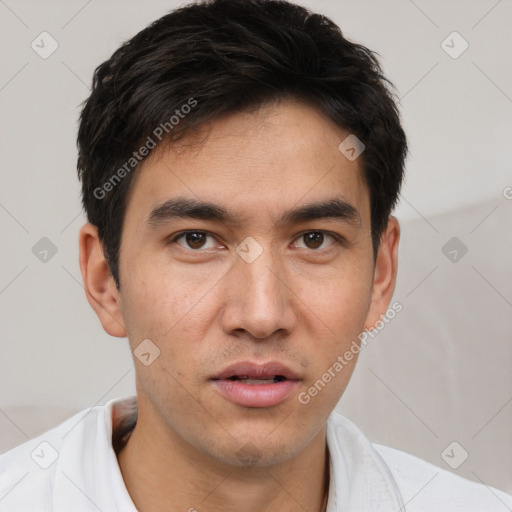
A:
(384, 279)
(99, 284)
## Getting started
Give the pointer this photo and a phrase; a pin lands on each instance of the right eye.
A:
(194, 240)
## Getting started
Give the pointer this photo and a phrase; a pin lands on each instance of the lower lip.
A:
(255, 395)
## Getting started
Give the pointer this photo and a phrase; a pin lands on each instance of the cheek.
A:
(334, 319)
(339, 306)
(154, 298)
(173, 310)
(166, 314)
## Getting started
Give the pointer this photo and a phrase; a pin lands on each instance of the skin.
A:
(299, 302)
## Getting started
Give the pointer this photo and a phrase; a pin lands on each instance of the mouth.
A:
(246, 380)
(250, 384)
(249, 370)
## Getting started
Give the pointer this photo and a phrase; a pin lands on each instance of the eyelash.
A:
(339, 240)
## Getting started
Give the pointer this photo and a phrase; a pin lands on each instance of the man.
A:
(239, 161)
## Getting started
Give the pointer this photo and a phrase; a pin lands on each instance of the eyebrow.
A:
(182, 207)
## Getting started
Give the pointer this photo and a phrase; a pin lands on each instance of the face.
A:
(259, 284)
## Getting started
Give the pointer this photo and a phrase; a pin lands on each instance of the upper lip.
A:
(253, 370)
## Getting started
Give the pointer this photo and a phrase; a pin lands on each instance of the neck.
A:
(163, 473)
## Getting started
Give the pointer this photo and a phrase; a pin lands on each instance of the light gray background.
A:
(439, 372)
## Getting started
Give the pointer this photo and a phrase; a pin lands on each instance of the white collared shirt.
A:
(74, 468)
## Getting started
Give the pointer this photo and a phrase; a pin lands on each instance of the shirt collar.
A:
(359, 478)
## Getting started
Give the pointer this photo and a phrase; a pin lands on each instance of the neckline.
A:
(124, 418)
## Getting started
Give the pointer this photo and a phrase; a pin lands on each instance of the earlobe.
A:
(99, 285)
(386, 267)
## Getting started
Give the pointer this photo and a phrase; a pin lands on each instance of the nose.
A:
(259, 297)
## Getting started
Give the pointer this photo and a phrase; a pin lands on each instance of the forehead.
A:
(258, 163)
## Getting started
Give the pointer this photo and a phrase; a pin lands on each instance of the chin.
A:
(251, 455)
(257, 449)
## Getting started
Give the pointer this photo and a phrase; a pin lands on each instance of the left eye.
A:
(314, 239)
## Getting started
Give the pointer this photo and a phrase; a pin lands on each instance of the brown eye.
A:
(193, 240)
(314, 239)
